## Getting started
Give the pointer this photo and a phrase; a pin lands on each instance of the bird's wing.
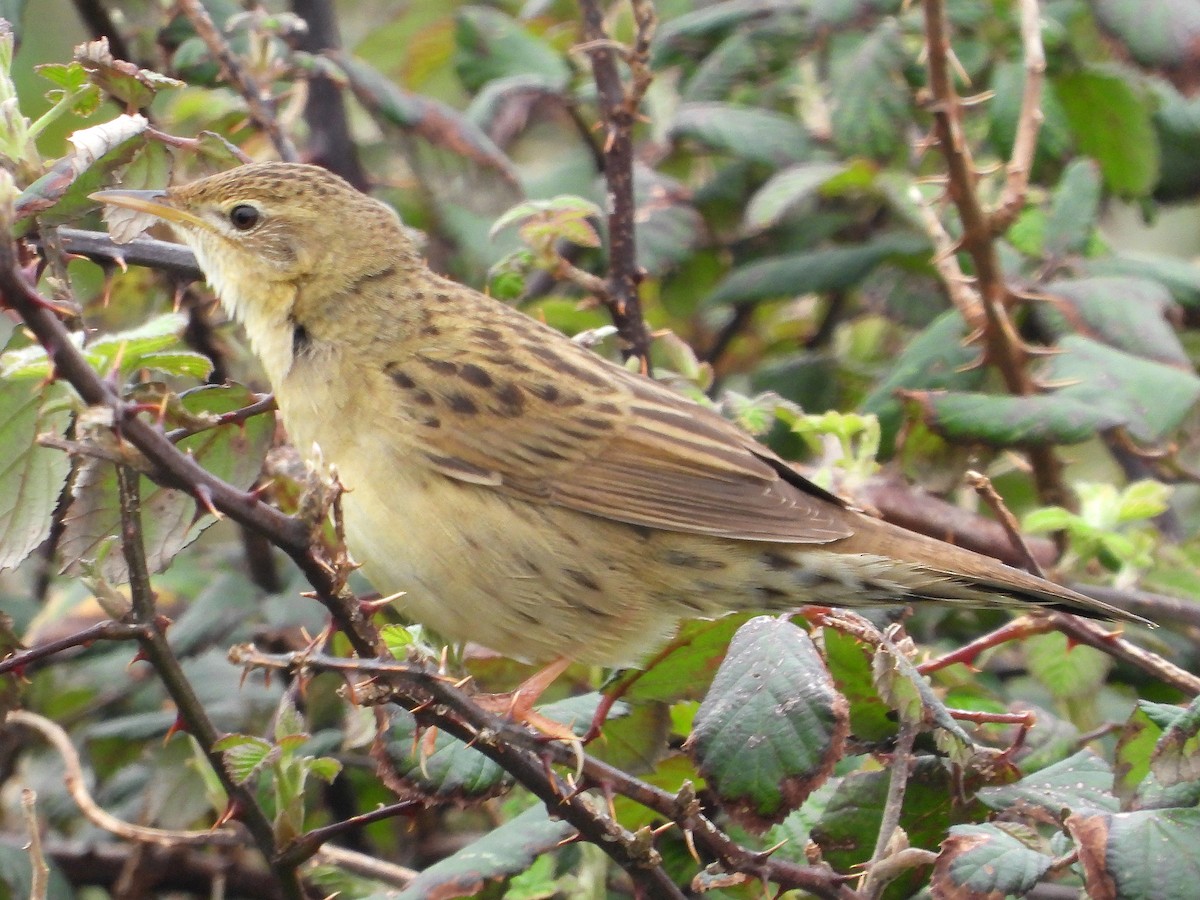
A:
(503, 401)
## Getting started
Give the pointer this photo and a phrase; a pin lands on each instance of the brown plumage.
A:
(526, 493)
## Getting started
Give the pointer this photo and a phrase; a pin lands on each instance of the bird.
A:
(523, 492)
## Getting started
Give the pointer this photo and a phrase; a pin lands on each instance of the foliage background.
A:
(803, 252)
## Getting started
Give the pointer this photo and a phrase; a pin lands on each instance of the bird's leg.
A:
(518, 705)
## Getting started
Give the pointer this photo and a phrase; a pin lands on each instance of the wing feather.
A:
(538, 417)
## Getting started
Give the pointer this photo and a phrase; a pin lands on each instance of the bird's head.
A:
(263, 226)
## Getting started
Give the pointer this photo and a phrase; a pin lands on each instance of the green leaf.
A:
(1180, 277)
(847, 830)
(1139, 737)
(747, 132)
(937, 358)
(1128, 313)
(503, 851)
(1004, 421)
(1149, 853)
(233, 452)
(95, 153)
(1148, 398)
(987, 861)
(445, 767)
(872, 103)
(1082, 781)
(1074, 210)
(771, 726)
(669, 227)
(849, 662)
(31, 476)
(1111, 120)
(491, 45)
(1068, 670)
(244, 755)
(1176, 757)
(787, 192)
(1158, 35)
(832, 269)
(1054, 137)
(123, 81)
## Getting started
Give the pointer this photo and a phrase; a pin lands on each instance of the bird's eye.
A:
(243, 217)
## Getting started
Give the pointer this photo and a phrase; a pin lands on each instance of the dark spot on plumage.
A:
(534, 568)
(564, 368)
(476, 375)
(399, 376)
(576, 434)
(594, 423)
(777, 562)
(692, 561)
(367, 278)
(607, 409)
(770, 594)
(431, 422)
(461, 403)
(583, 579)
(643, 532)
(442, 297)
(422, 397)
(527, 616)
(547, 392)
(507, 362)
(544, 452)
(301, 340)
(490, 338)
(430, 330)
(441, 366)
(454, 464)
(418, 295)
(511, 400)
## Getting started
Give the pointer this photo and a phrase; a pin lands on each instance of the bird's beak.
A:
(154, 203)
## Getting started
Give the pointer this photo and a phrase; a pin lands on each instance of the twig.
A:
(39, 872)
(1029, 121)
(330, 143)
(258, 101)
(1096, 635)
(174, 259)
(158, 653)
(983, 487)
(366, 866)
(76, 785)
(312, 841)
(102, 631)
(618, 109)
(872, 887)
(1002, 345)
(1018, 629)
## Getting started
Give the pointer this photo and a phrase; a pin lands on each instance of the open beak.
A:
(154, 203)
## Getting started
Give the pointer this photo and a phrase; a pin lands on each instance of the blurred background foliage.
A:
(785, 179)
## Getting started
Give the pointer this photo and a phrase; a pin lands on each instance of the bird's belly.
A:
(528, 580)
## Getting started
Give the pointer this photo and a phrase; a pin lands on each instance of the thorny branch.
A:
(987, 313)
(258, 100)
(619, 111)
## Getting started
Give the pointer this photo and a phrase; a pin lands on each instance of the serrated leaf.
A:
(1176, 757)
(849, 662)
(123, 81)
(1074, 210)
(871, 100)
(31, 476)
(1004, 421)
(1111, 121)
(986, 861)
(324, 767)
(683, 668)
(1082, 781)
(742, 131)
(447, 769)
(1128, 313)
(170, 519)
(1148, 398)
(771, 726)
(244, 755)
(1150, 853)
(1068, 670)
(503, 851)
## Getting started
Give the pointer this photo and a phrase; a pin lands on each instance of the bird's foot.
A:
(518, 705)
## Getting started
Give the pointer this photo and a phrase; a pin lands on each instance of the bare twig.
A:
(76, 784)
(1029, 121)
(983, 487)
(1096, 635)
(618, 109)
(872, 886)
(102, 631)
(39, 872)
(258, 100)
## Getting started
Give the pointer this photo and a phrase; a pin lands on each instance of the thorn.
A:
(177, 726)
(205, 498)
(233, 810)
(138, 657)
